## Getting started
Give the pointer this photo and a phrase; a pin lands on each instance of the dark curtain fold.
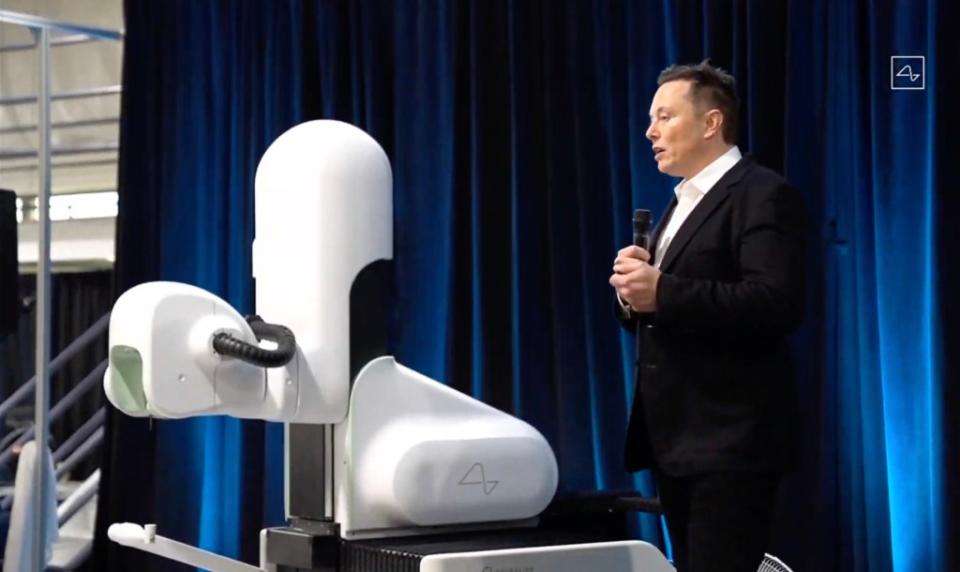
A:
(516, 136)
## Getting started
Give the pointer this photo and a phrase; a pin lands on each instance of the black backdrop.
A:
(9, 296)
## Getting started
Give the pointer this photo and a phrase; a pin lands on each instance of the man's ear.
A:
(713, 123)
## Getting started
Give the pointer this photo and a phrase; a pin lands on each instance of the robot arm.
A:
(179, 351)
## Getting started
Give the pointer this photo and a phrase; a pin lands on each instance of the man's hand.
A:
(634, 280)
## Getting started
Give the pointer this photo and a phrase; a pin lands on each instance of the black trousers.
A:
(718, 522)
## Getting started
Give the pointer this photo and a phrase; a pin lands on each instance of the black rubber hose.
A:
(226, 344)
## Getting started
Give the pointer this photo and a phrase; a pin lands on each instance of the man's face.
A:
(677, 130)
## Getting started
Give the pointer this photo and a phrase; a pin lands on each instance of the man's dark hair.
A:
(710, 88)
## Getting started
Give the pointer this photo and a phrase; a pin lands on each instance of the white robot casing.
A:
(162, 362)
(409, 453)
(324, 211)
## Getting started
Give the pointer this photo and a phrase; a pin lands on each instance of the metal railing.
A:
(72, 349)
(43, 30)
(76, 30)
(96, 162)
(61, 151)
(75, 94)
(98, 122)
(92, 380)
(87, 437)
(54, 43)
(80, 435)
(72, 504)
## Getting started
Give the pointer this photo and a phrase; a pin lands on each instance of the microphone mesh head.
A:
(642, 217)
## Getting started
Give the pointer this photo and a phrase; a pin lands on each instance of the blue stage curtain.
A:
(516, 135)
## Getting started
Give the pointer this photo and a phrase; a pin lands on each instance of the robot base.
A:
(517, 550)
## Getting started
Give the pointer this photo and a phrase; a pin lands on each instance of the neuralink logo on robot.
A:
(478, 476)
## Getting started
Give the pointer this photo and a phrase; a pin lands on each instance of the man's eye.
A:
(664, 117)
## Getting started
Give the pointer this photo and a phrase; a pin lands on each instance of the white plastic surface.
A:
(624, 556)
(167, 328)
(418, 453)
(146, 539)
(324, 211)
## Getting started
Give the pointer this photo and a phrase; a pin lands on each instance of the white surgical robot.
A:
(385, 468)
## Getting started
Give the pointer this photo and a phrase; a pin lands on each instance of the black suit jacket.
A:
(714, 375)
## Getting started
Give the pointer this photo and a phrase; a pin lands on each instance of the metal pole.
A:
(43, 300)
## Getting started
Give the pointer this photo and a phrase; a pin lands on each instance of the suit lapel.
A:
(706, 207)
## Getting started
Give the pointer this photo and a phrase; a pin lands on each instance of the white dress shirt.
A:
(690, 192)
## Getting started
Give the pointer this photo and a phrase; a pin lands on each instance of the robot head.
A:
(162, 363)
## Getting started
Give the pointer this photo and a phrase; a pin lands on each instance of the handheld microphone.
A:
(641, 228)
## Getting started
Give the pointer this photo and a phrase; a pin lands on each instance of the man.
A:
(712, 306)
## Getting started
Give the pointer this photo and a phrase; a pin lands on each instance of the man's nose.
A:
(652, 134)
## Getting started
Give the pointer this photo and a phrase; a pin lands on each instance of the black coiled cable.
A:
(226, 344)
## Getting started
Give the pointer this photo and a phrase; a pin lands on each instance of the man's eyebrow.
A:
(659, 110)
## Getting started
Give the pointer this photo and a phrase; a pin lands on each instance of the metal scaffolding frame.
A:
(43, 30)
